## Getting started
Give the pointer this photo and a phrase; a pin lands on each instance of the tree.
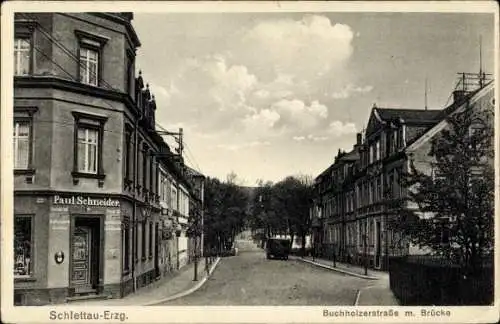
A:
(291, 202)
(225, 212)
(454, 218)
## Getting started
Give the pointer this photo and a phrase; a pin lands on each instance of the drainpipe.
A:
(134, 211)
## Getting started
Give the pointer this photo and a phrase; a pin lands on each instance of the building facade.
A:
(87, 213)
(355, 196)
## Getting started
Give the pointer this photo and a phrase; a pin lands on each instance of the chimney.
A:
(459, 95)
(358, 139)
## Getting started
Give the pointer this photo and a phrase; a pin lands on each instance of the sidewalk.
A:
(346, 268)
(377, 293)
(166, 289)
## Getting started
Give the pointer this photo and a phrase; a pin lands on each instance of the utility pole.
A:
(425, 91)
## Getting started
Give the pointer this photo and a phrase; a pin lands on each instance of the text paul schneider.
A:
(86, 201)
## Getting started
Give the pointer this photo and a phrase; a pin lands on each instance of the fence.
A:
(425, 280)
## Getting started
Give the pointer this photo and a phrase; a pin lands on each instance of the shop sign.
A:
(85, 201)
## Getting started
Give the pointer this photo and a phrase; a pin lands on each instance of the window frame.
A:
(150, 237)
(143, 240)
(26, 29)
(126, 247)
(30, 276)
(84, 120)
(93, 42)
(127, 149)
(26, 114)
(130, 73)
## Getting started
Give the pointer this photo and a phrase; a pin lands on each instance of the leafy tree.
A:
(225, 212)
(283, 208)
(454, 218)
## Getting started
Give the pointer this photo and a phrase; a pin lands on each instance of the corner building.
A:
(86, 156)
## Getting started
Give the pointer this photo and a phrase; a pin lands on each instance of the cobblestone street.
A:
(250, 279)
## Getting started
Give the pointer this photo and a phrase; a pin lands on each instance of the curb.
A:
(190, 290)
(338, 270)
(358, 294)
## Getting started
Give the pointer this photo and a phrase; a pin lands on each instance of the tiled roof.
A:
(410, 115)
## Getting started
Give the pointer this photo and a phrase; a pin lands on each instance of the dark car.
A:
(278, 248)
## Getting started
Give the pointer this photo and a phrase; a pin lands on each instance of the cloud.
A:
(310, 138)
(338, 128)
(349, 90)
(307, 47)
(237, 147)
(296, 113)
(269, 82)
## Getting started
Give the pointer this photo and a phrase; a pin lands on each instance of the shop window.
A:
(90, 57)
(89, 132)
(23, 246)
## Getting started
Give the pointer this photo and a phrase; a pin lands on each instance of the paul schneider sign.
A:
(86, 201)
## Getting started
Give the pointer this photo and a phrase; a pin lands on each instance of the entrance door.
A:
(86, 253)
(378, 249)
(81, 276)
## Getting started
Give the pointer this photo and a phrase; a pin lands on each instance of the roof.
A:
(409, 115)
(192, 172)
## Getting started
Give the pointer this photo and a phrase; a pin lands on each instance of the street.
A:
(250, 279)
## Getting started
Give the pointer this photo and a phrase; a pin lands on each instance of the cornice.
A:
(41, 82)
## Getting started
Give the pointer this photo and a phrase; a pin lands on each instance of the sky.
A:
(267, 95)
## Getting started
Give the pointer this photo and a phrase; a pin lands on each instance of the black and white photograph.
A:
(249, 154)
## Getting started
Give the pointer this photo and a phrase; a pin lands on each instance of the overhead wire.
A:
(101, 81)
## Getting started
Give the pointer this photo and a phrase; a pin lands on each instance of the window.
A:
(126, 154)
(21, 143)
(151, 174)
(174, 198)
(90, 55)
(377, 150)
(144, 166)
(126, 246)
(129, 77)
(87, 150)
(394, 142)
(143, 241)
(151, 237)
(89, 63)
(136, 243)
(89, 133)
(371, 153)
(23, 246)
(22, 56)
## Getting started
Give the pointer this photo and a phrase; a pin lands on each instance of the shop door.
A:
(81, 274)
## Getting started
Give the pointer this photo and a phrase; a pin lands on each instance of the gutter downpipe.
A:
(134, 214)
